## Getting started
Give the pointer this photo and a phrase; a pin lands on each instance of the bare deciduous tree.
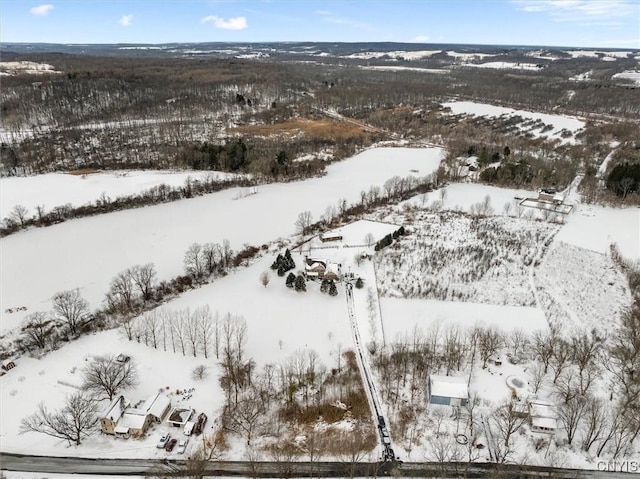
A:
(19, 214)
(143, 277)
(570, 414)
(303, 222)
(71, 308)
(105, 375)
(200, 372)
(73, 422)
(194, 263)
(38, 330)
(505, 421)
(265, 278)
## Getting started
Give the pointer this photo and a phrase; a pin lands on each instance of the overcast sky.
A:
(577, 23)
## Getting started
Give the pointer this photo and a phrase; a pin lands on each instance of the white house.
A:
(121, 420)
(542, 417)
(448, 390)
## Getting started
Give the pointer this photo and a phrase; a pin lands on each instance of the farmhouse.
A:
(314, 268)
(542, 417)
(110, 417)
(121, 420)
(448, 390)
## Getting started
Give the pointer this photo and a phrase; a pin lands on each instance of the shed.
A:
(330, 236)
(448, 390)
(9, 364)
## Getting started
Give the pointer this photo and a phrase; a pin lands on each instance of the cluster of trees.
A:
(624, 179)
(42, 331)
(329, 286)
(102, 378)
(427, 265)
(283, 263)
(181, 331)
(296, 282)
(388, 239)
(576, 369)
(20, 218)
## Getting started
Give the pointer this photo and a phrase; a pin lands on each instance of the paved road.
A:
(73, 465)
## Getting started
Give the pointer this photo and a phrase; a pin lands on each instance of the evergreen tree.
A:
(281, 270)
(300, 284)
(291, 279)
(276, 264)
(324, 286)
(359, 283)
(333, 290)
(288, 262)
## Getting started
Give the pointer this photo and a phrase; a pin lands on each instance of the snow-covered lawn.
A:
(87, 253)
(57, 375)
(56, 189)
(558, 122)
(279, 321)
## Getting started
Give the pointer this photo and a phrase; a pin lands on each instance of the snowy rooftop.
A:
(156, 405)
(132, 419)
(448, 386)
(116, 408)
(542, 409)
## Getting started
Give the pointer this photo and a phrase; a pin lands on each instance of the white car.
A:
(182, 445)
(163, 441)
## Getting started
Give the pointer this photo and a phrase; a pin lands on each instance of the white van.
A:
(188, 428)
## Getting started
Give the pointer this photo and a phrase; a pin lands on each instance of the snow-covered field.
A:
(396, 55)
(597, 227)
(586, 288)
(399, 68)
(558, 122)
(401, 316)
(55, 189)
(87, 253)
(629, 75)
(30, 68)
(450, 256)
(506, 65)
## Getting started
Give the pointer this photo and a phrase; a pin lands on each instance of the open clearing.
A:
(323, 128)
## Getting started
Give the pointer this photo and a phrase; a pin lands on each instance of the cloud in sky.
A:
(126, 20)
(421, 38)
(329, 17)
(41, 10)
(235, 23)
(594, 12)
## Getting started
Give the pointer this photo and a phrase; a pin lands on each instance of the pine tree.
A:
(276, 264)
(333, 290)
(288, 261)
(324, 286)
(291, 279)
(281, 270)
(300, 283)
(359, 283)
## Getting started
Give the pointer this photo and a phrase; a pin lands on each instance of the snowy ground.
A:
(506, 66)
(588, 290)
(56, 189)
(88, 252)
(629, 75)
(558, 122)
(279, 321)
(597, 227)
(401, 315)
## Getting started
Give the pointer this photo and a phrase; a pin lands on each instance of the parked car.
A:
(200, 423)
(188, 428)
(170, 445)
(163, 441)
(182, 446)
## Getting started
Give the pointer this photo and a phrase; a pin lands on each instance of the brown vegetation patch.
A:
(83, 171)
(320, 128)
